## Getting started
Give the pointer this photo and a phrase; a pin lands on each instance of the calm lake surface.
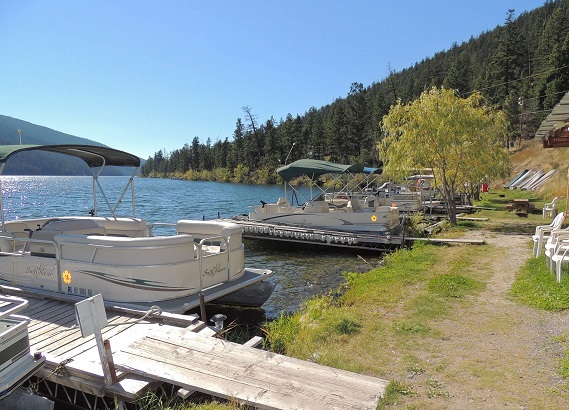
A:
(298, 272)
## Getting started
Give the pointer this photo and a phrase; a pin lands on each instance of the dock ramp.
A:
(250, 376)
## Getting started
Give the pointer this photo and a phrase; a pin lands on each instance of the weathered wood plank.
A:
(252, 376)
(35, 305)
(254, 341)
(119, 336)
(68, 346)
(63, 315)
(57, 337)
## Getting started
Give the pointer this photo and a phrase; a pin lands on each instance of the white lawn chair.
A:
(561, 255)
(542, 233)
(557, 238)
(550, 208)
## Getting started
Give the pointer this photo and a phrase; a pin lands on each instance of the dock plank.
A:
(65, 346)
(252, 376)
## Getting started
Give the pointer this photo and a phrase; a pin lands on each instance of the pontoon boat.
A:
(343, 207)
(119, 257)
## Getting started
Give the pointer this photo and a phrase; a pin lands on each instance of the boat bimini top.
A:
(313, 169)
(94, 156)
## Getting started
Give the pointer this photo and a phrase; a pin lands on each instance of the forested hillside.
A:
(521, 67)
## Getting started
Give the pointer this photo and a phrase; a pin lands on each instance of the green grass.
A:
(536, 286)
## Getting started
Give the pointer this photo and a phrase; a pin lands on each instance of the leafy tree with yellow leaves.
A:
(461, 139)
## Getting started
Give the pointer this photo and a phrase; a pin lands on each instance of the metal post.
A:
(111, 362)
(202, 308)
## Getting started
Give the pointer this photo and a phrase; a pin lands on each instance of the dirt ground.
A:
(494, 353)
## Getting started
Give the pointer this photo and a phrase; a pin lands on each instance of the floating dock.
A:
(175, 355)
(318, 237)
(336, 239)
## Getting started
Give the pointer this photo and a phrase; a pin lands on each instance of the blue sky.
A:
(142, 75)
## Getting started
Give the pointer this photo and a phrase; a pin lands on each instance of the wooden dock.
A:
(178, 350)
(73, 361)
(253, 377)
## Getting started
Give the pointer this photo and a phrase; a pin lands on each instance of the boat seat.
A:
(58, 226)
(283, 202)
(131, 227)
(270, 209)
(207, 229)
(7, 242)
(317, 207)
(354, 205)
(123, 251)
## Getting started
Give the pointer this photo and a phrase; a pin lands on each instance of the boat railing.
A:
(159, 224)
(20, 246)
(219, 242)
(9, 305)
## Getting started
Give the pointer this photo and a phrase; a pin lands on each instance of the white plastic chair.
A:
(557, 239)
(561, 255)
(542, 233)
(550, 208)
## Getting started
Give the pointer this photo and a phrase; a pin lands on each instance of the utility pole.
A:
(20, 132)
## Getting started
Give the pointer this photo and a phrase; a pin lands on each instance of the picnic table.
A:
(521, 206)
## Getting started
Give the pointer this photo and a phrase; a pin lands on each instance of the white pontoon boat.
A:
(346, 209)
(119, 257)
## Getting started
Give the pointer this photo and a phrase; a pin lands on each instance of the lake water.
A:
(298, 272)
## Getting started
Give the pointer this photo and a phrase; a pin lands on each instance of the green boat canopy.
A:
(94, 156)
(314, 168)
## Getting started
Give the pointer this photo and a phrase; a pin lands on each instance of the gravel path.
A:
(495, 353)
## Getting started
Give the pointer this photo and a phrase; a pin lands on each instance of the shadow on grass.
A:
(521, 229)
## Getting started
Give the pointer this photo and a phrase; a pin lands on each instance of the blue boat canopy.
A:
(368, 170)
(94, 156)
(313, 168)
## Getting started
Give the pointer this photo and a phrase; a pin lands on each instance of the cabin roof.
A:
(94, 156)
(554, 130)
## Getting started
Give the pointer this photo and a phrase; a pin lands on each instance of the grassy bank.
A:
(383, 320)
(390, 322)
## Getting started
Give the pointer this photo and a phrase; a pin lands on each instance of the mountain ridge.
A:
(45, 163)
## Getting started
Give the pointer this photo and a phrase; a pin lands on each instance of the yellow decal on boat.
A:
(66, 277)
(373, 218)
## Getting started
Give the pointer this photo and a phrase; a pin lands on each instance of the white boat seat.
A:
(7, 242)
(131, 227)
(58, 226)
(111, 250)
(269, 209)
(317, 207)
(283, 202)
(354, 205)
(207, 229)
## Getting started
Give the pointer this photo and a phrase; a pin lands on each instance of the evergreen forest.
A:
(520, 67)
